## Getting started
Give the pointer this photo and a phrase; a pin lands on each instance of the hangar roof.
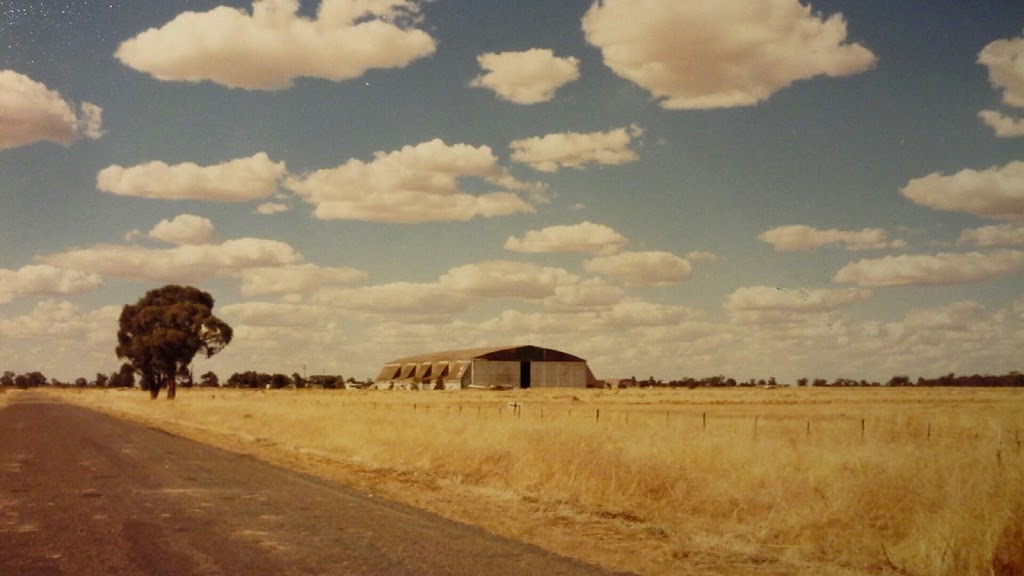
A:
(507, 353)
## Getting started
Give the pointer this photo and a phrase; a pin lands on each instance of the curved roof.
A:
(508, 353)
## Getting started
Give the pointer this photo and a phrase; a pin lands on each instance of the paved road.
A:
(83, 494)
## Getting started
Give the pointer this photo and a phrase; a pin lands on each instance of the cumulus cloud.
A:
(268, 208)
(184, 229)
(269, 48)
(525, 77)
(997, 192)
(189, 263)
(585, 237)
(588, 294)
(457, 290)
(271, 314)
(407, 299)
(993, 236)
(930, 270)
(574, 150)
(702, 256)
(799, 300)
(1003, 125)
(704, 54)
(641, 268)
(295, 278)
(30, 112)
(506, 279)
(237, 180)
(1005, 62)
(415, 184)
(799, 238)
(45, 280)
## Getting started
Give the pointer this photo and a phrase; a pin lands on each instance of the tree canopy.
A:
(162, 332)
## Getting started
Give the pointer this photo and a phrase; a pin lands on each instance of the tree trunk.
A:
(172, 387)
(154, 390)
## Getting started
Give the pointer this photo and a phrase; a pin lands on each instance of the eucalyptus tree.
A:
(162, 332)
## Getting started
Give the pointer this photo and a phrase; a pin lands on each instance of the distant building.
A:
(497, 367)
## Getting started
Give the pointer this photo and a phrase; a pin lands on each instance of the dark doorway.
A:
(524, 374)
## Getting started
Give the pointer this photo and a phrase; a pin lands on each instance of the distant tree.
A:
(209, 380)
(101, 380)
(299, 381)
(801, 382)
(81, 382)
(164, 330)
(899, 381)
(7, 379)
(819, 382)
(278, 381)
(123, 378)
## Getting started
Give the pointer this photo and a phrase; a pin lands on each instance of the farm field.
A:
(741, 481)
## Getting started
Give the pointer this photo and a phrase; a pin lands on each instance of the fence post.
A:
(808, 427)
(597, 415)
(861, 428)
(704, 422)
(755, 426)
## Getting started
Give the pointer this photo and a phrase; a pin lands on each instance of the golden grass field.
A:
(801, 481)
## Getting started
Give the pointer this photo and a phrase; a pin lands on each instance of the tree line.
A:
(1012, 379)
(125, 378)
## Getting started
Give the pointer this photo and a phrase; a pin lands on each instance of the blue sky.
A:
(668, 189)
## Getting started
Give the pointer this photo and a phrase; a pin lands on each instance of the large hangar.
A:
(497, 367)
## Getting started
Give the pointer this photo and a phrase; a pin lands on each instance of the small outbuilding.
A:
(497, 367)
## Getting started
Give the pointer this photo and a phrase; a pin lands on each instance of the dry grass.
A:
(787, 481)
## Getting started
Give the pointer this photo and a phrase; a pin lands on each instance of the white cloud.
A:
(1005, 62)
(720, 53)
(585, 237)
(295, 278)
(588, 294)
(460, 288)
(45, 280)
(574, 150)
(1003, 125)
(90, 122)
(184, 229)
(993, 236)
(930, 270)
(415, 184)
(769, 304)
(269, 48)
(702, 256)
(237, 180)
(407, 299)
(61, 319)
(30, 112)
(268, 314)
(525, 77)
(506, 279)
(800, 238)
(641, 268)
(179, 264)
(997, 192)
(268, 208)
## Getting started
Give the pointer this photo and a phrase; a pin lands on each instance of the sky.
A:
(665, 188)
